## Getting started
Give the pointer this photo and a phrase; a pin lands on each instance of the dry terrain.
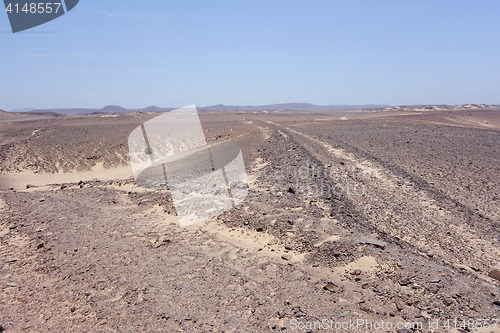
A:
(389, 215)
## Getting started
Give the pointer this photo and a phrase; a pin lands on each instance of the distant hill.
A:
(291, 106)
(22, 110)
(277, 107)
(113, 108)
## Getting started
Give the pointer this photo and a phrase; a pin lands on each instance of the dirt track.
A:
(109, 257)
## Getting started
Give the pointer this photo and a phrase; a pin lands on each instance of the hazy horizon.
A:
(257, 53)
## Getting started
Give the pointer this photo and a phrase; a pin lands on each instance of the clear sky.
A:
(176, 53)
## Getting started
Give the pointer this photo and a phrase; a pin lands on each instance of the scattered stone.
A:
(23, 299)
(357, 272)
(365, 286)
(73, 309)
(39, 246)
(315, 265)
(87, 294)
(392, 314)
(164, 316)
(330, 287)
(375, 242)
(63, 186)
(290, 221)
(402, 330)
(286, 256)
(80, 182)
(11, 284)
(42, 199)
(404, 282)
(497, 303)
(435, 281)
(399, 306)
(292, 190)
(30, 186)
(448, 301)
(288, 248)
(2, 328)
(495, 275)
(259, 229)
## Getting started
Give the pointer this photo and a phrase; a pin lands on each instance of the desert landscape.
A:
(380, 215)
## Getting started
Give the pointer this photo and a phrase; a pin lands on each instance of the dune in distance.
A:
(374, 213)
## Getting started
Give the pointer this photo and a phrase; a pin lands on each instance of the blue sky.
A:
(176, 53)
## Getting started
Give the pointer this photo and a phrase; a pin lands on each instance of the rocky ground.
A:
(419, 189)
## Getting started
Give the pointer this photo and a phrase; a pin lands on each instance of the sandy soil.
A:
(85, 250)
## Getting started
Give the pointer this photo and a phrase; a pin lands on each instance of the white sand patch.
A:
(332, 238)
(258, 243)
(18, 181)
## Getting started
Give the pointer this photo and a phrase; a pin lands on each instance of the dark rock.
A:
(288, 248)
(404, 282)
(497, 303)
(367, 240)
(448, 301)
(63, 186)
(330, 287)
(80, 182)
(164, 316)
(39, 246)
(259, 229)
(292, 190)
(73, 309)
(399, 306)
(290, 221)
(30, 186)
(495, 275)
(402, 330)
(286, 256)
(365, 286)
(392, 314)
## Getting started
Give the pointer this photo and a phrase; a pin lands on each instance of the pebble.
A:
(11, 284)
(435, 281)
(330, 287)
(286, 256)
(292, 190)
(495, 275)
(448, 301)
(367, 240)
(365, 286)
(404, 282)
